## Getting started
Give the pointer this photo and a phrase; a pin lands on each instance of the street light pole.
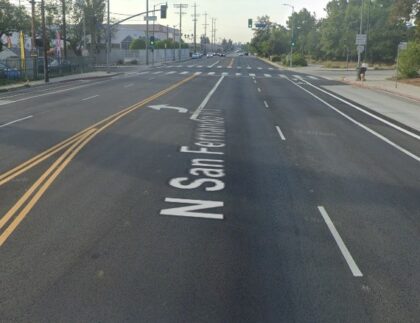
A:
(293, 30)
(147, 32)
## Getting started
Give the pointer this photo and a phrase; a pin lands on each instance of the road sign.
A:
(259, 25)
(403, 46)
(361, 39)
(150, 18)
(360, 49)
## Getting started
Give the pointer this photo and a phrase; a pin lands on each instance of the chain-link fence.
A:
(15, 69)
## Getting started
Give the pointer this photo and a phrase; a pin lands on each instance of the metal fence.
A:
(14, 69)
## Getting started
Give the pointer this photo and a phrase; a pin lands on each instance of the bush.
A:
(138, 44)
(409, 64)
(134, 62)
(120, 62)
(298, 60)
(276, 58)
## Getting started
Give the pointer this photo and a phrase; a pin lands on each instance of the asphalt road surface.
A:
(215, 190)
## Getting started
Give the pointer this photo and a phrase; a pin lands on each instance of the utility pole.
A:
(213, 25)
(214, 35)
(33, 41)
(44, 39)
(167, 40)
(174, 33)
(147, 32)
(367, 31)
(195, 27)
(180, 6)
(108, 37)
(205, 32)
(64, 29)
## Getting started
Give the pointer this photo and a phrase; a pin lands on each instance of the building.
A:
(124, 34)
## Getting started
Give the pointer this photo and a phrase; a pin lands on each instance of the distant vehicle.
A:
(196, 55)
(210, 55)
(246, 54)
(8, 72)
(222, 55)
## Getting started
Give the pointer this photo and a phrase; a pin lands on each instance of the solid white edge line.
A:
(90, 98)
(15, 121)
(389, 142)
(280, 133)
(366, 112)
(341, 245)
(206, 100)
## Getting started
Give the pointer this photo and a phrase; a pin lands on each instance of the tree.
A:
(260, 41)
(407, 10)
(409, 65)
(91, 14)
(138, 44)
(304, 25)
(335, 35)
(13, 18)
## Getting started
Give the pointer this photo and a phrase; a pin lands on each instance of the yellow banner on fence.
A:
(22, 51)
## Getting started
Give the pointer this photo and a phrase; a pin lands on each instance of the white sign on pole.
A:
(150, 18)
(361, 39)
(403, 45)
(360, 49)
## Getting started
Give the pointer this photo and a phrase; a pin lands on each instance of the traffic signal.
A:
(152, 40)
(163, 11)
(249, 23)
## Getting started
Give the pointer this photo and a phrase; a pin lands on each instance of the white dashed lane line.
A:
(15, 121)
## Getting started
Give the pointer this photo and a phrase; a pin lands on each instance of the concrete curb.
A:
(15, 88)
(28, 85)
(271, 63)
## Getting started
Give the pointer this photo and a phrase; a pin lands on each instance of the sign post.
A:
(361, 41)
(401, 46)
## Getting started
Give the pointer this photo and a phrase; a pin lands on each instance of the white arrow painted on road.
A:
(165, 106)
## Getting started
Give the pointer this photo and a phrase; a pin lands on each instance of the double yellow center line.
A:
(71, 147)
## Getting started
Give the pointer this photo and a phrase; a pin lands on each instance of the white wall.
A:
(157, 56)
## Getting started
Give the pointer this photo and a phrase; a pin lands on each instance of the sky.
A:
(232, 15)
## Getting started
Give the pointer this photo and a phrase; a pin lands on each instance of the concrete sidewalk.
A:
(61, 79)
(377, 93)
(403, 90)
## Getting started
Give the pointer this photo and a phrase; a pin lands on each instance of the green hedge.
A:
(298, 60)
(409, 64)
